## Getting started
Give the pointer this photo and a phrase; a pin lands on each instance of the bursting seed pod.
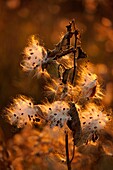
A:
(22, 112)
(34, 55)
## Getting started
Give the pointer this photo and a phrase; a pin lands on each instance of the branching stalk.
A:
(67, 151)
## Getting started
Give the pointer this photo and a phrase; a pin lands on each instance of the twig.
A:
(65, 52)
(58, 54)
(52, 55)
(74, 71)
(75, 47)
(67, 151)
(73, 153)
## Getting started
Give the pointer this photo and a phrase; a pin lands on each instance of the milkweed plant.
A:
(71, 115)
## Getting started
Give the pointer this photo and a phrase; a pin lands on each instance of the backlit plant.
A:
(72, 105)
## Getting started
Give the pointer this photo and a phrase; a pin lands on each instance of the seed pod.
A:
(81, 53)
(74, 124)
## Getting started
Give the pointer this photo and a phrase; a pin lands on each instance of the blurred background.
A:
(19, 19)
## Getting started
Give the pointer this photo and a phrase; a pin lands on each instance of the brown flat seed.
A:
(37, 120)
(29, 58)
(95, 127)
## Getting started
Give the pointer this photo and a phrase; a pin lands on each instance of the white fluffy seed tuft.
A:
(88, 83)
(57, 113)
(34, 55)
(22, 112)
(93, 118)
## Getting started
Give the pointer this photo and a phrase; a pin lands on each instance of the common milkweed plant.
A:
(72, 104)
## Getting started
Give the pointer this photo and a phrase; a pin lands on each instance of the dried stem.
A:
(67, 151)
(75, 47)
(55, 55)
(74, 71)
(73, 153)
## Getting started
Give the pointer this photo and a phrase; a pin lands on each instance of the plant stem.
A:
(75, 47)
(73, 153)
(74, 71)
(67, 151)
